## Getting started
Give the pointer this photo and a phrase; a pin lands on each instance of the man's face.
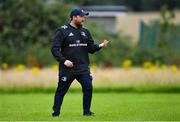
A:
(79, 20)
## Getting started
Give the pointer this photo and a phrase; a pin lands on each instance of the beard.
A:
(79, 24)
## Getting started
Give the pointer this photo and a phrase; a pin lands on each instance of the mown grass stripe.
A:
(104, 89)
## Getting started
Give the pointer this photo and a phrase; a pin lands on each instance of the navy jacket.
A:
(73, 44)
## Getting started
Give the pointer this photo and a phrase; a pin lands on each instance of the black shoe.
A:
(89, 114)
(55, 114)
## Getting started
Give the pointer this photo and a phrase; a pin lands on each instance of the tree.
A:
(26, 25)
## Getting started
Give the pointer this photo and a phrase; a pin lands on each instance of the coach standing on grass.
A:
(70, 47)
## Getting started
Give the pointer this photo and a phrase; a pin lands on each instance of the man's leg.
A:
(64, 83)
(86, 82)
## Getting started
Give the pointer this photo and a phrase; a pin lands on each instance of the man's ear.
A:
(74, 17)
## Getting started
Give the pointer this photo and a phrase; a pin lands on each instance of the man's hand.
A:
(68, 63)
(104, 43)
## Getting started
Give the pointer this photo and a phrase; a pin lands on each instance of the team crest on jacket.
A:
(83, 33)
(78, 41)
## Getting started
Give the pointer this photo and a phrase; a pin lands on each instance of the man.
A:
(70, 47)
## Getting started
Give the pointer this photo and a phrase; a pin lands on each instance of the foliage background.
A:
(27, 28)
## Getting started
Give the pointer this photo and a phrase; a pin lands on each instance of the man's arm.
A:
(56, 46)
(92, 48)
(56, 49)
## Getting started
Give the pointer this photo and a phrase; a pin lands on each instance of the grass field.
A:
(107, 106)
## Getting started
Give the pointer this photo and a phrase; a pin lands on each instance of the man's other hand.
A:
(68, 63)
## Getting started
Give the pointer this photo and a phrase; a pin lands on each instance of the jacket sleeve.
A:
(57, 45)
(92, 48)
